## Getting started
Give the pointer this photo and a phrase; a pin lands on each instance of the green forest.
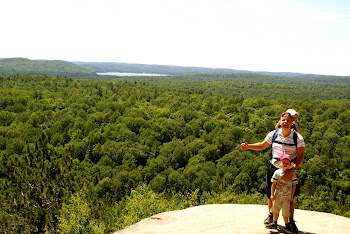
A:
(97, 155)
(251, 85)
(49, 67)
(90, 69)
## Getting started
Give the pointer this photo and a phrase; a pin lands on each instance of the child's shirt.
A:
(283, 186)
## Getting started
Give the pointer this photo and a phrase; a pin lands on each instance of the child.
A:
(282, 193)
(294, 115)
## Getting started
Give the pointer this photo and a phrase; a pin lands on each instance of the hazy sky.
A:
(308, 36)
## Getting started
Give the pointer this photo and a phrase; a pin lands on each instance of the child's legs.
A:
(269, 204)
(285, 210)
(277, 205)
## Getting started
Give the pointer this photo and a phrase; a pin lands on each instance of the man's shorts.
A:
(270, 170)
(281, 203)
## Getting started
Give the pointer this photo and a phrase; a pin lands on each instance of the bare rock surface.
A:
(235, 218)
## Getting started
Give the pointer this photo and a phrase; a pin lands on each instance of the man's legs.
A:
(270, 170)
(293, 226)
(291, 210)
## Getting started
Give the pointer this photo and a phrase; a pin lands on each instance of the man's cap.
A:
(292, 112)
(286, 156)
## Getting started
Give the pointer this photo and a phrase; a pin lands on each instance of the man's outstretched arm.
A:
(256, 146)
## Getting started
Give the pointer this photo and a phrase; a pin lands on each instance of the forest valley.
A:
(94, 156)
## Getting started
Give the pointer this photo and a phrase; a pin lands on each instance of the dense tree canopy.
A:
(97, 150)
(254, 85)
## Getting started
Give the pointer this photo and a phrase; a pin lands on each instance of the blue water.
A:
(128, 74)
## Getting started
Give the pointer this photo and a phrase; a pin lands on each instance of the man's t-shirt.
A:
(279, 149)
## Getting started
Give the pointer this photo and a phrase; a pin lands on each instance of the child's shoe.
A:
(272, 225)
(269, 219)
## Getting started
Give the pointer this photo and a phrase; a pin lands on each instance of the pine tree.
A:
(35, 187)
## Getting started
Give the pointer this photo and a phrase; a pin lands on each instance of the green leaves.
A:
(75, 216)
(34, 188)
(101, 140)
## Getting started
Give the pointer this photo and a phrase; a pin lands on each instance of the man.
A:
(283, 143)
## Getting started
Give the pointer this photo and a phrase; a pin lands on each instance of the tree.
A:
(75, 216)
(242, 182)
(34, 189)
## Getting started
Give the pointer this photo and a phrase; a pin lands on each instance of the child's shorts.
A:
(281, 203)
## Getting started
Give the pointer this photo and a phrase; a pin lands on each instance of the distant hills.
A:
(49, 67)
(65, 68)
(174, 70)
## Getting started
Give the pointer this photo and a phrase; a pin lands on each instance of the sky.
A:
(306, 36)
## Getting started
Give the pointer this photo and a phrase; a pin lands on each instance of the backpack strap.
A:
(295, 139)
(275, 135)
(273, 140)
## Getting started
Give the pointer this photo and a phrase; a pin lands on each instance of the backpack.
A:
(295, 139)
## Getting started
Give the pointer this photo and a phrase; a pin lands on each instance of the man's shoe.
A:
(272, 225)
(269, 219)
(293, 227)
(287, 228)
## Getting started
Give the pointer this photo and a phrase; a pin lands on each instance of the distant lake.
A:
(128, 74)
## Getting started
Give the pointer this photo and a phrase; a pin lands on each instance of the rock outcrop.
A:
(234, 218)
